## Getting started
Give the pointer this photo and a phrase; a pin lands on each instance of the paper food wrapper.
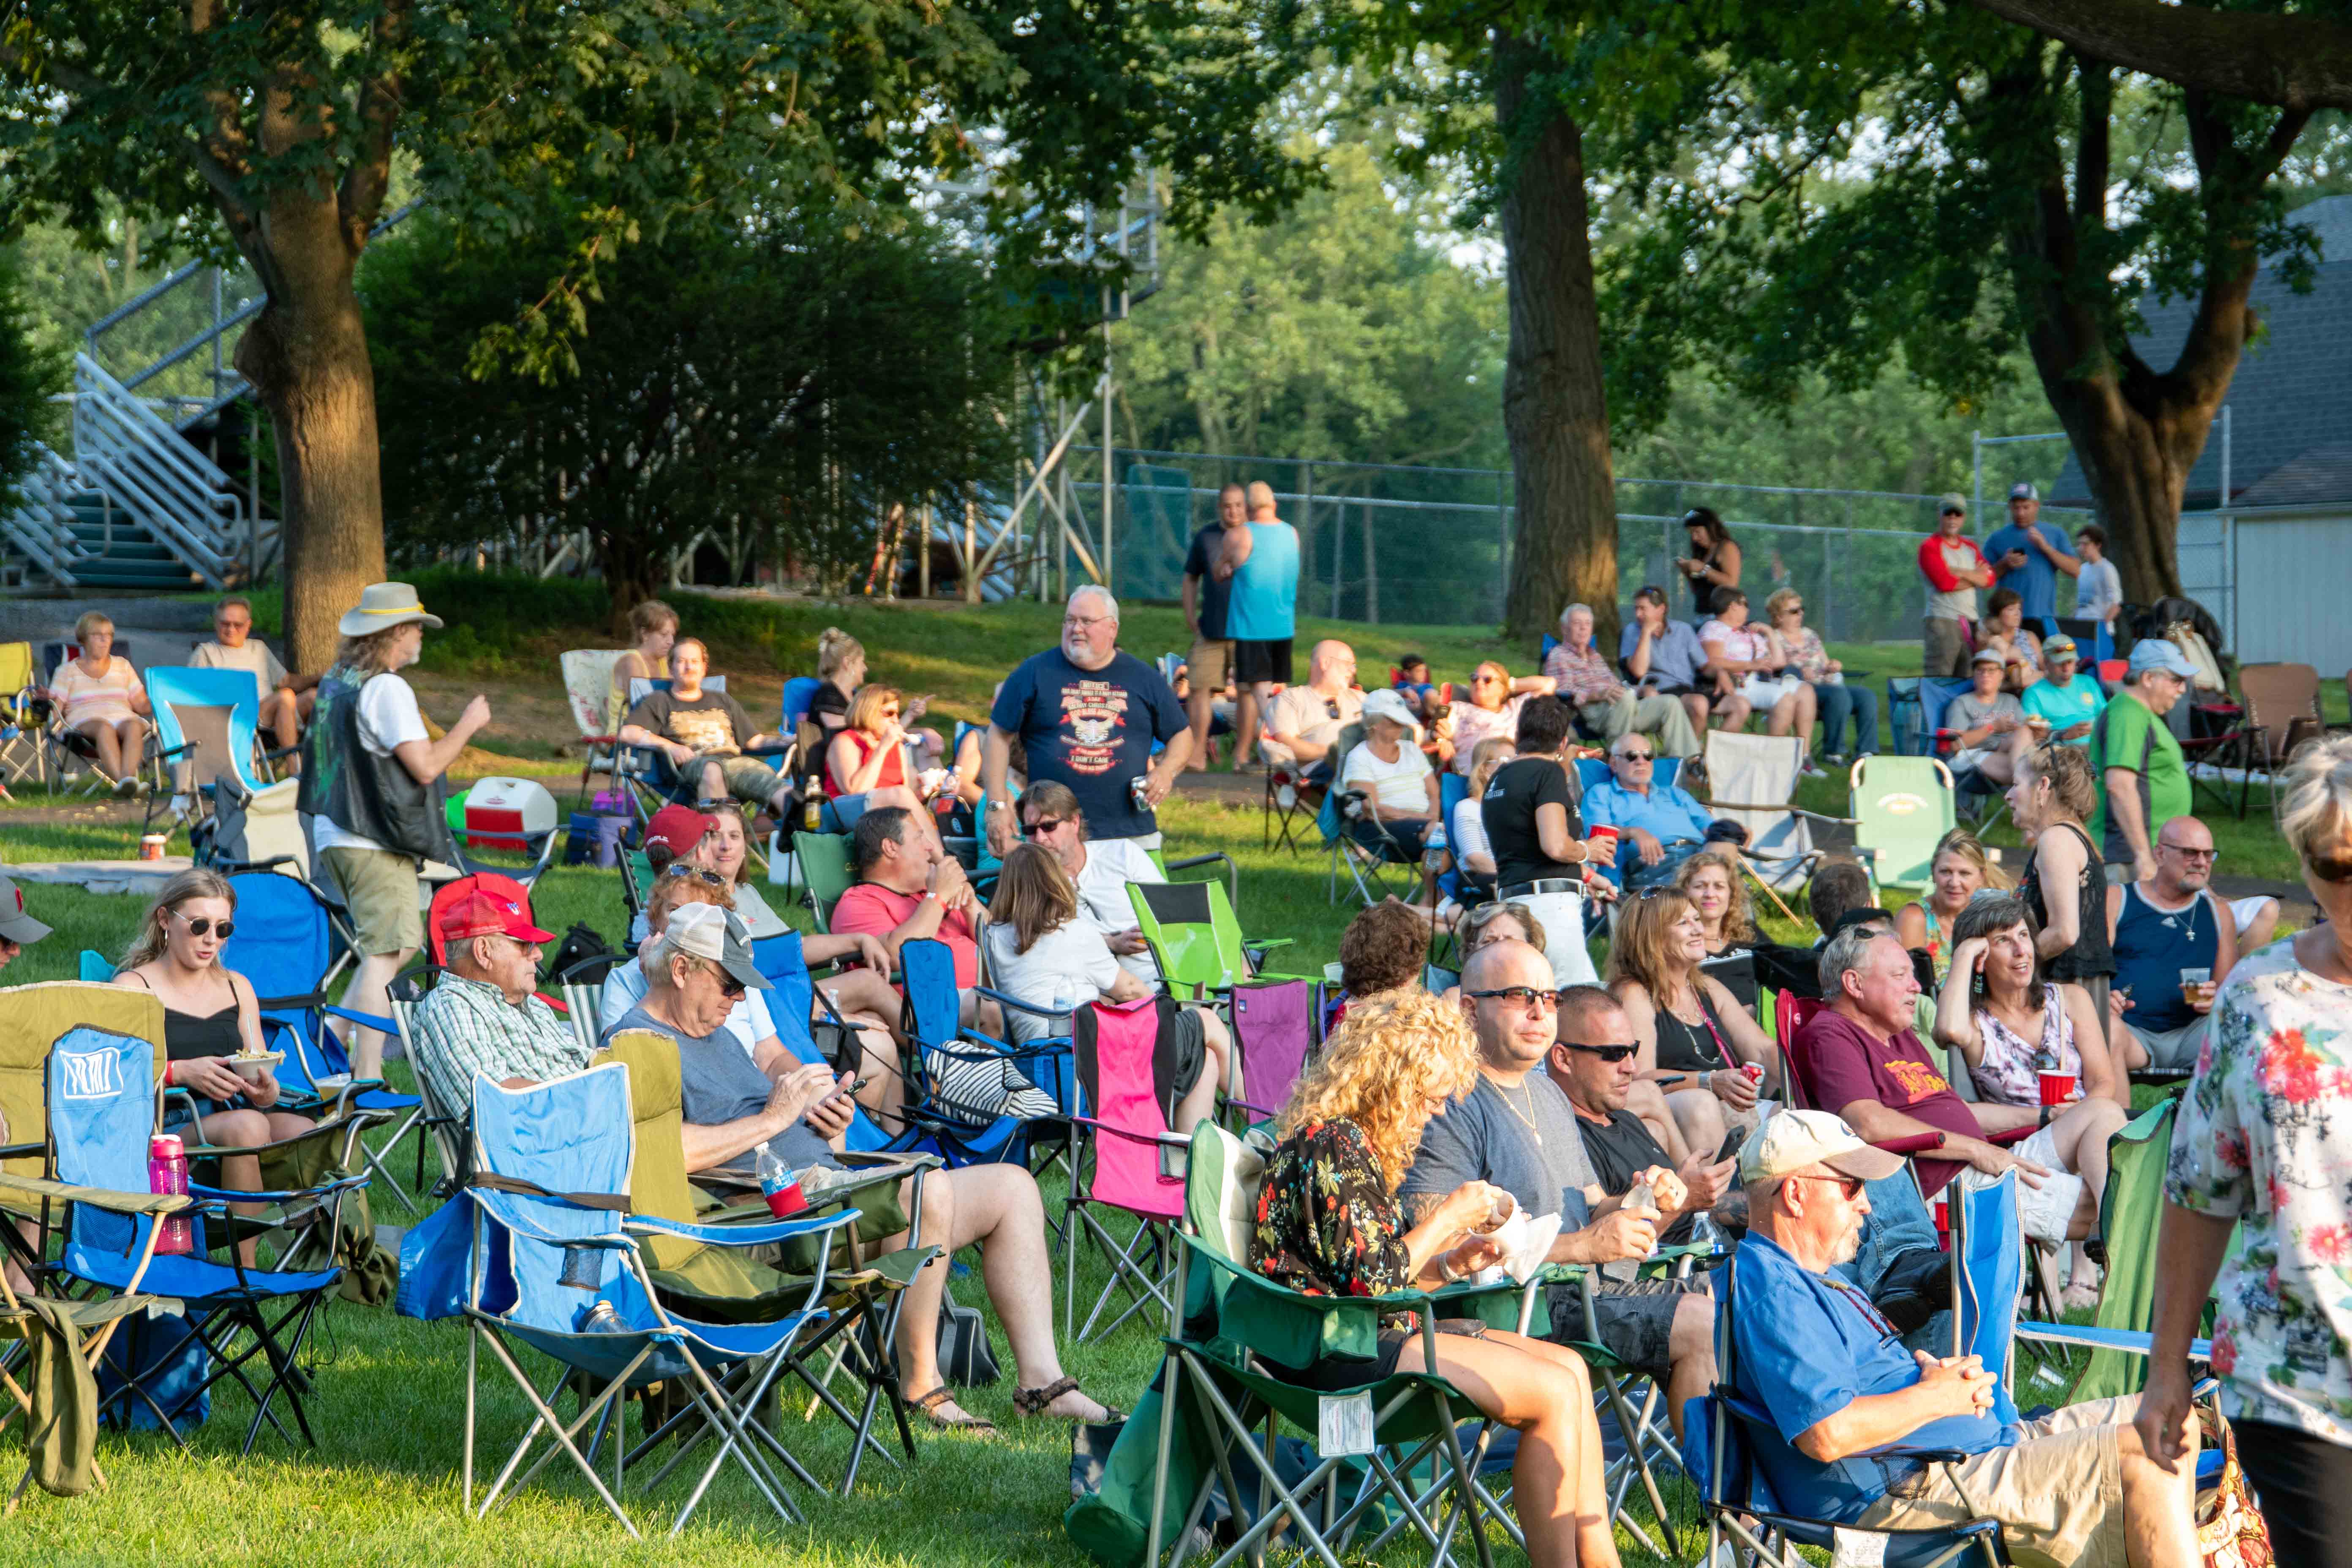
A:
(1525, 1240)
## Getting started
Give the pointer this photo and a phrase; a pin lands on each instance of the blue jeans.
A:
(1898, 1222)
(1838, 701)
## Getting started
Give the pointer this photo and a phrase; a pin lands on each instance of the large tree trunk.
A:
(1564, 547)
(306, 357)
(2135, 454)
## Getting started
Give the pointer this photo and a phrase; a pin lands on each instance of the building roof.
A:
(2291, 400)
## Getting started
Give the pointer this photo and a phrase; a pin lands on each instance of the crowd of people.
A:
(1600, 1055)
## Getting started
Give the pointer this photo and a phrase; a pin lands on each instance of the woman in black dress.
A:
(2065, 885)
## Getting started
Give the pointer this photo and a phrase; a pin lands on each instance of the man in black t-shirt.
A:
(1594, 1069)
(1208, 588)
(704, 733)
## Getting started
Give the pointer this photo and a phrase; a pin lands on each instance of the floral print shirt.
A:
(2265, 1138)
(1327, 1224)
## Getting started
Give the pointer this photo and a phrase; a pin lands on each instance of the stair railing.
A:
(41, 524)
(122, 446)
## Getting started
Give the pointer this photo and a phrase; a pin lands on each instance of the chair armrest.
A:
(739, 1235)
(1165, 1139)
(1912, 1144)
(22, 1152)
(365, 1020)
(43, 1188)
(232, 1196)
(2014, 1135)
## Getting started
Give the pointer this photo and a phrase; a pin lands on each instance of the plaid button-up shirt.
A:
(465, 1028)
(1583, 678)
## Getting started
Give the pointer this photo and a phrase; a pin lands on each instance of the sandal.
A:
(978, 1426)
(1033, 1400)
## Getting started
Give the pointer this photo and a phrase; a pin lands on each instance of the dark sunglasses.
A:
(1484, 680)
(2330, 868)
(1636, 756)
(1612, 1053)
(1522, 996)
(680, 869)
(1849, 1186)
(731, 987)
(203, 925)
(1039, 830)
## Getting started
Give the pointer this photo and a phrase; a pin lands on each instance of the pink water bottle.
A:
(167, 1171)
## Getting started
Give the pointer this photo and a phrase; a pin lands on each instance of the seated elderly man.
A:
(1587, 682)
(1837, 1388)
(1659, 826)
(1518, 1131)
(1868, 1065)
(737, 1101)
(483, 1019)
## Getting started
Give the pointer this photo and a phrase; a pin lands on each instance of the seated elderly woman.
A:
(210, 1017)
(2008, 1024)
(1042, 952)
(1687, 1024)
(1328, 1224)
(103, 700)
(1399, 788)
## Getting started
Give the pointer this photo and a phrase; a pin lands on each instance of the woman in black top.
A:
(2064, 885)
(1530, 807)
(1713, 562)
(1686, 1022)
(210, 1016)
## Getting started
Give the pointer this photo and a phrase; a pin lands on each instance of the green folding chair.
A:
(1901, 808)
(824, 868)
(1196, 940)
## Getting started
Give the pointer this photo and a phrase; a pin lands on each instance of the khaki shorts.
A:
(1209, 664)
(2058, 1493)
(1944, 648)
(380, 889)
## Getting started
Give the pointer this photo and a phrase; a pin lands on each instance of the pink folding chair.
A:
(1273, 1024)
(1126, 1067)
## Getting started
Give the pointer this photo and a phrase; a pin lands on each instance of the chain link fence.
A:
(1430, 547)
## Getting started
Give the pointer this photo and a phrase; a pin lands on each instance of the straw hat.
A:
(383, 606)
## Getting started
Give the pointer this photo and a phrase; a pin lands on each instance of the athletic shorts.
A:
(1209, 664)
(380, 890)
(1256, 661)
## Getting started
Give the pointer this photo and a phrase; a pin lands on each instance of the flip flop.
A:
(1033, 1400)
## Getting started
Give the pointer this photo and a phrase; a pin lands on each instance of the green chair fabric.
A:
(1901, 808)
(2129, 1211)
(825, 867)
(1194, 938)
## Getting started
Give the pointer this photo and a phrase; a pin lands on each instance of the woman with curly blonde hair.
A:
(1329, 1224)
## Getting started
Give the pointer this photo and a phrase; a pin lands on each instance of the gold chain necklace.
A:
(1526, 1116)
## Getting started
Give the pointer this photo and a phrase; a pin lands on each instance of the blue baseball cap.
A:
(2155, 653)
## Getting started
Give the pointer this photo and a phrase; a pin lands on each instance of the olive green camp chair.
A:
(720, 1285)
(824, 869)
(1901, 808)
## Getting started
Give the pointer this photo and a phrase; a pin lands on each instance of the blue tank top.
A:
(1263, 606)
(2152, 947)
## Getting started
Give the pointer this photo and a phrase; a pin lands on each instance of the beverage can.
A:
(1752, 1071)
(1139, 789)
(151, 846)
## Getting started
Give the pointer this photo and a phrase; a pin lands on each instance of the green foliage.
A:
(32, 370)
(782, 388)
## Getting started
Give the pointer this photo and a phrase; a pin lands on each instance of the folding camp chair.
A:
(1274, 1032)
(1127, 1078)
(715, 1284)
(23, 711)
(938, 1122)
(1732, 1451)
(823, 861)
(588, 687)
(284, 944)
(65, 751)
(1196, 940)
(258, 830)
(653, 780)
(1902, 808)
(208, 725)
(553, 1260)
(1363, 862)
(1752, 780)
(103, 1109)
(441, 1123)
(2282, 712)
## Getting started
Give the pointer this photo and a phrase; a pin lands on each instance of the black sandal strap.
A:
(1033, 1400)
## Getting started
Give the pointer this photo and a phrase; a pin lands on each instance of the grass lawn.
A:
(388, 1400)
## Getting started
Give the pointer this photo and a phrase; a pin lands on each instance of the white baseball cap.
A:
(1386, 704)
(706, 930)
(1792, 1140)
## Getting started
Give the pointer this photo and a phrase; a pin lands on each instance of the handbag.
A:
(965, 1359)
(2230, 1532)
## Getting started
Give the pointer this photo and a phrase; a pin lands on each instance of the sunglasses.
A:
(707, 878)
(2191, 854)
(1636, 756)
(1793, 609)
(1484, 680)
(1039, 830)
(2330, 867)
(1523, 996)
(202, 926)
(1849, 1186)
(1611, 1054)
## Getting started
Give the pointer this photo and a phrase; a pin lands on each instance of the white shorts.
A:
(2048, 1209)
(1562, 916)
(1763, 691)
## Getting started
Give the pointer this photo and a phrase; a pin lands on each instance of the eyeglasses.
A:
(233, 625)
(201, 925)
(1612, 1053)
(706, 878)
(1793, 609)
(1849, 1186)
(1484, 680)
(1039, 830)
(1523, 996)
(1082, 623)
(2188, 854)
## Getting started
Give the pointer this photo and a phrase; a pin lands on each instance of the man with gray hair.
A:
(1587, 683)
(1086, 715)
(1843, 1400)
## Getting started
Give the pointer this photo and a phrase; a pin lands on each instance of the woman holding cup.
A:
(2029, 1041)
(1687, 1025)
(212, 1025)
(2065, 885)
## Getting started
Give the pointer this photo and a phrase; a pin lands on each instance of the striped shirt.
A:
(106, 696)
(466, 1029)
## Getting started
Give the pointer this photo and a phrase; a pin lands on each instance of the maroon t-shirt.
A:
(1847, 1065)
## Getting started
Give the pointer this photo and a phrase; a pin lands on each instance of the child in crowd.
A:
(1412, 684)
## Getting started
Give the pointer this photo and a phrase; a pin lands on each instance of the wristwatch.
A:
(1000, 806)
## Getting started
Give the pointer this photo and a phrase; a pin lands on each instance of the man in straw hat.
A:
(369, 784)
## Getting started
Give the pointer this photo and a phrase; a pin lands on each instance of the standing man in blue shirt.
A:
(2028, 555)
(1262, 617)
(1835, 1383)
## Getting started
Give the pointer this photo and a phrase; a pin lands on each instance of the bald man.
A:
(1262, 617)
(1303, 723)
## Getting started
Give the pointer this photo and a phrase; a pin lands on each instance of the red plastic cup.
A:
(786, 1201)
(1943, 1217)
(2057, 1088)
(1604, 836)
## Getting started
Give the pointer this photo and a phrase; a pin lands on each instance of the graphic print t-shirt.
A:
(713, 723)
(1090, 730)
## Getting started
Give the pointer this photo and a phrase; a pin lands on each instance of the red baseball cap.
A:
(679, 828)
(480, 913)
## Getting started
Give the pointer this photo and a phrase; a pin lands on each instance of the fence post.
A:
(1502, 548)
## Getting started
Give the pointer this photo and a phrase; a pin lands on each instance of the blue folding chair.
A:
(962, 1135)
(284, 944)
(208, 725)
(541, 1251)
(102, 1103)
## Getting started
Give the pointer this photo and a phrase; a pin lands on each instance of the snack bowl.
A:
(249, 1068)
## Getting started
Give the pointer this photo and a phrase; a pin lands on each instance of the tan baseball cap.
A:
(1792, 1140)
(16, 925)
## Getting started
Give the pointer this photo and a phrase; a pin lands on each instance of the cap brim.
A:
(747, 973)
(23, 930)
(1871, 1164)
(530, 933)
(356, 625)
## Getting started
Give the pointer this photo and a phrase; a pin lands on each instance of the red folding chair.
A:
(1127, 1070)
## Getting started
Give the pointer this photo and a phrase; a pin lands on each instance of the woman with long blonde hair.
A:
(1957, 872)
(1686, 1022)
(1328, 1224)
(865, 762)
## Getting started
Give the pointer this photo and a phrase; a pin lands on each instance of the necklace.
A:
(1526, 1116)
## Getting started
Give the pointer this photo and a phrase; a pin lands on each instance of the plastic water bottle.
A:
(780, 1185)
(603, 1319)
(167, 1171)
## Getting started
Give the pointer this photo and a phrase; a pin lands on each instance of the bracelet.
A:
(1445, 1270)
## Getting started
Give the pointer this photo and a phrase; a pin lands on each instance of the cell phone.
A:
(1668, 1080)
